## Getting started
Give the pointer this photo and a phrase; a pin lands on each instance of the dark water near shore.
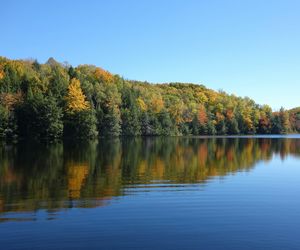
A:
(152, 193)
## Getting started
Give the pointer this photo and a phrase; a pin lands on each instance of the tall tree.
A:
(80, 118)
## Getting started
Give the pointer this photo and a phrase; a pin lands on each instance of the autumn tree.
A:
(36, 97)
(80, 120)
(75, 98)
(202, 119)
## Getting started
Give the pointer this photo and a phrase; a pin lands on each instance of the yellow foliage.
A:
(212, 96)
(201, 97)
(1, 74)
(75, 98)
(157, 104)
(176, 111)
(142, 104)
(249, 123)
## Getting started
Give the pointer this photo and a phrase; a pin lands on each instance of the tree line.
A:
(54, 100)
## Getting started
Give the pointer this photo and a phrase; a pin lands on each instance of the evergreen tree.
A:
(167, 126)
(81, 124)
(276, 125)
(130, 122)
(129, 113)
(284, 120)
(111, 123)
(221, 128)
(146, 128)
(35, 98)
(232, 127)
(211, 129)
(40, 117)
(4, 117)
(195, 126)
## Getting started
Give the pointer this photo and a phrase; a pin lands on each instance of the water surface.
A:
(151, 193)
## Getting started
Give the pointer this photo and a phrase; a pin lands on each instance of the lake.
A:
(152, 193)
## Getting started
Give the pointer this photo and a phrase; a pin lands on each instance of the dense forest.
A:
(54, 100)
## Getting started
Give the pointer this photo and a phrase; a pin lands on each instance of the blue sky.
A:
(248, 48)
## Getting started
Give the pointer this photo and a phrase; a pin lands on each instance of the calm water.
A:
(159, 193)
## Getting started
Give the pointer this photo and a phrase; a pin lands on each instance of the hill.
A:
(53, 100)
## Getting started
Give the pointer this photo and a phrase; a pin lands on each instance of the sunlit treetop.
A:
(103, 75)
(75, 98)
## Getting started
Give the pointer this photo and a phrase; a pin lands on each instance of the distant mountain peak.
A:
(51, 61)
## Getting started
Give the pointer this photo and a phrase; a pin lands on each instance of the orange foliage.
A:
(10, 99)
(230, 154)
(103, 75)
(202, 154)
(219, 116)
(229, 114)
(264, 122)
(202, 116)
(1, 73)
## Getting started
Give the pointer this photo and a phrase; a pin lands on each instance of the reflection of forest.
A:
(87, 175)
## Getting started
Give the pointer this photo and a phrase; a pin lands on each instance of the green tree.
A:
(4, 118)
(34, 97)
(167, 126)
(130, 113)
(111, 122)
(284, 120)
(81, 124)
(232, 126)
(40, 117)
(276, 125)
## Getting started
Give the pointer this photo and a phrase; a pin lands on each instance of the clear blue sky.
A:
(249, 48)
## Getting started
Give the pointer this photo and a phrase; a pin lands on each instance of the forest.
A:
(55, 100)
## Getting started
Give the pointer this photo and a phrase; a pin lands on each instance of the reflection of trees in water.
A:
(76, 176)
(88, 174)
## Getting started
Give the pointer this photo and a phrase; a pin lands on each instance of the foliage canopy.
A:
(50, 100)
